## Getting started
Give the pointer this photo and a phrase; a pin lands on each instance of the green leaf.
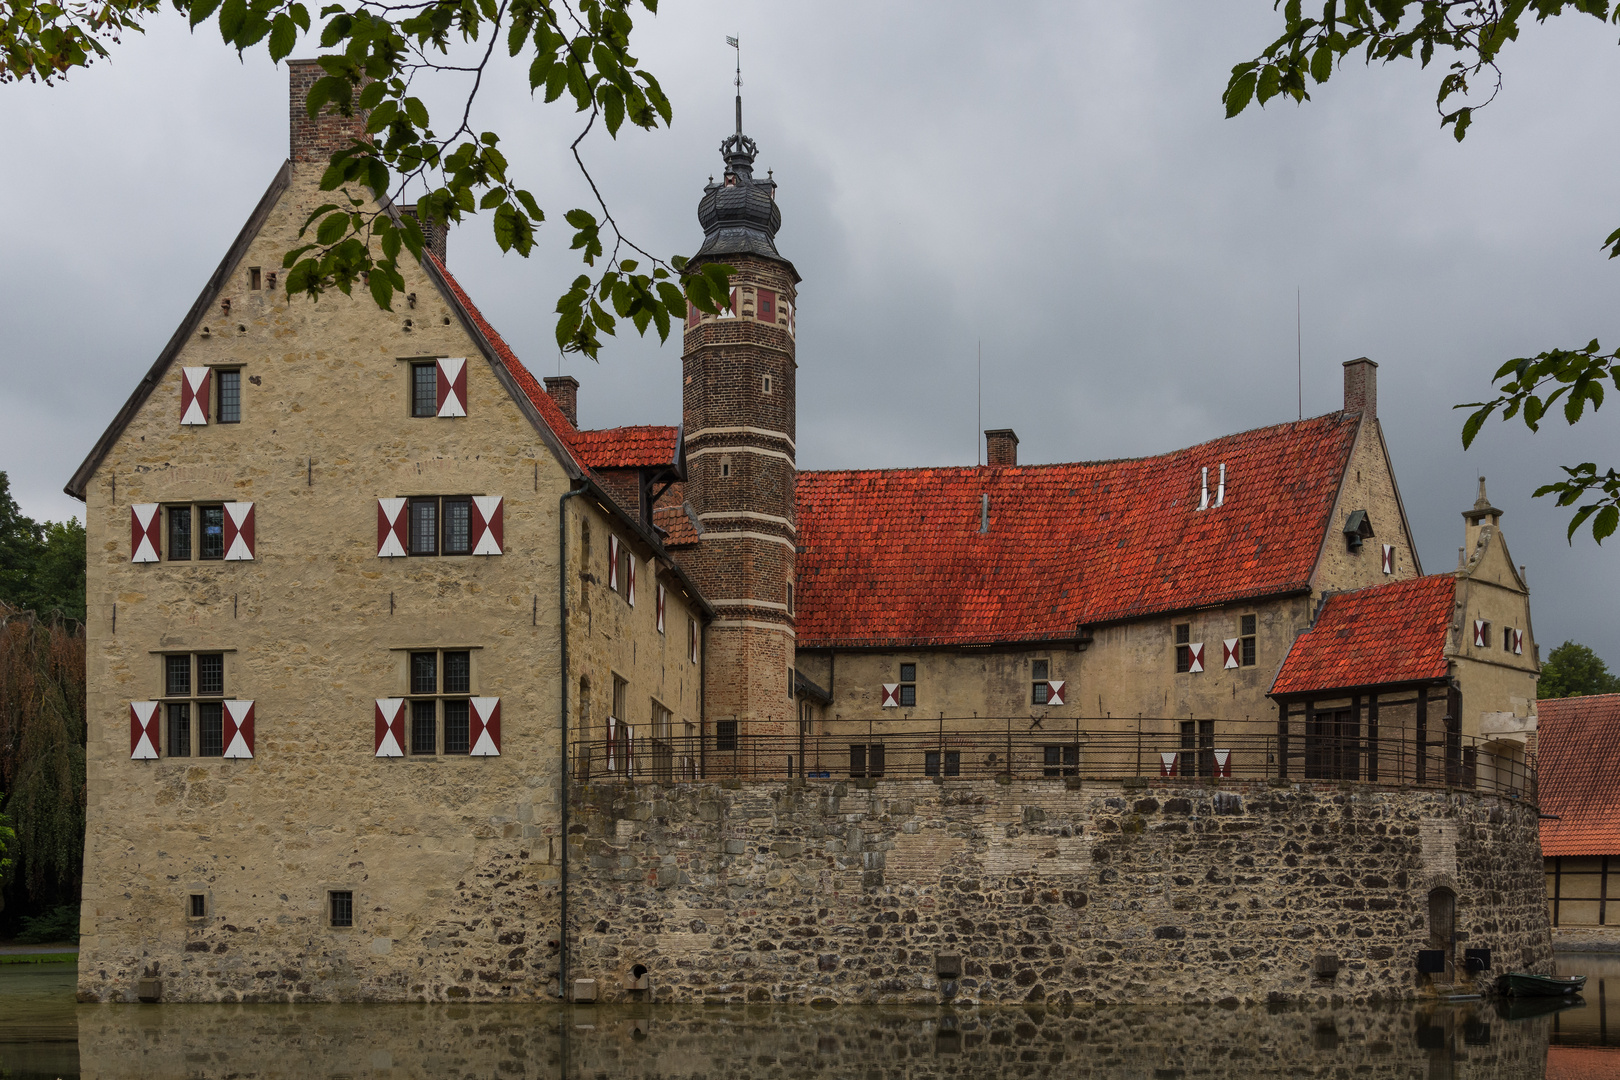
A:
(1473, 424)
(1603, 527)
(1238, 94)
(382, 290)
(201, 10)
(332, 228)
(492, 198)
(1322, 64)
(674, 300)
(283, 36)
(232, 17)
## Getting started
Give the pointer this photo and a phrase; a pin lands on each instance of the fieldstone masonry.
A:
(1246, 893)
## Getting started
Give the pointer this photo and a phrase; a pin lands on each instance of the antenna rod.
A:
(977, 446)
(1299, 347)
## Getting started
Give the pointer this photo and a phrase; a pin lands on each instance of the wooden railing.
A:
(981, 749)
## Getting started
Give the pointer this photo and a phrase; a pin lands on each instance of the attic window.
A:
(1183, 647)
(254, 277)
(1357, 528)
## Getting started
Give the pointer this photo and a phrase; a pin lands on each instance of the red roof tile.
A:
(566, 434)
(1393, 633)
(895, 557)
(627, 447)
(674, 521)
(1578, 774)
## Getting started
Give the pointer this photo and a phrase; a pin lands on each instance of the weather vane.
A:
(733, 43)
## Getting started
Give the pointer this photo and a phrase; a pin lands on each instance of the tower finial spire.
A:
(738, 149)
(733, 42)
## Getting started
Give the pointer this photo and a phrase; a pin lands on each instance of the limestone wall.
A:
(1102, 893)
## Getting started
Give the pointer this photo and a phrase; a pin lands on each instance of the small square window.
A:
(179, 533)
(213, 531)
(210, 674)
(342, 908)
(198, 905)
(908, 672)
(725, 735)
(425, 389)
(177, 676)
(424, 673)
(230, 397)
(424, 724)
(457, 526)
(424, 526)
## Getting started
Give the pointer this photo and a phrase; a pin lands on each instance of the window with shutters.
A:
(908, 686)
(1183, 647)
(440, 683)
(440, 524)
(425, 389)
(228, 385)
(1040, 674)
(209, 532)
(193, 704)
(1246, 636)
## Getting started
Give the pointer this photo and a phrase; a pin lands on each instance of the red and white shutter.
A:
(1389, 558)
(143, 730)
(238, 533)
(1168, 759)
(1223, 763)
(765, 306)
(891, 695)
(239, 729)
(611, 740)
(1054, 692)
(453, 386)
(486, 727)
(488, 525)
(196, 384)
(1195, 656)
(787, 309)
(613, 561)
(692, 639)
(1518, 642)
(630, 579)
(1229, 652)
(660, 607)
(144, 532)
(391, 525)
(694, 314)
(390, 741)
(1479, 633)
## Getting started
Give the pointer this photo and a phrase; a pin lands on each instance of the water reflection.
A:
(394, 1042)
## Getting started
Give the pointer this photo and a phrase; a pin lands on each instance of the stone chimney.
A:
(314, 141)
(564, 390)
(1001, 447)
(1361, 387)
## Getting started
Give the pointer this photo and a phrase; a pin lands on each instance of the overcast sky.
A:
(1055, 180)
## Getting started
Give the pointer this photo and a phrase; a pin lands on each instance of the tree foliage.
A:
(1471, 35)
(41, 564)
(1573, 670)
(373, 53)
(42, 740)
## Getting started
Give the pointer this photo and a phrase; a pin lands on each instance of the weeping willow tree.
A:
(42, 757)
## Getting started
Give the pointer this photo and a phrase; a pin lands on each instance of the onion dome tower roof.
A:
(739, 214)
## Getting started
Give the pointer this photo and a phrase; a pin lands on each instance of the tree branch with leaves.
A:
(1473, 34)
(373, 54)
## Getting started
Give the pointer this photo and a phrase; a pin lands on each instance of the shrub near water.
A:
(58, 924)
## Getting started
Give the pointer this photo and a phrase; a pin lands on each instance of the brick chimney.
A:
(314, 141)
(1001, 447)
(564, 390)
(432, 232)
(1361, 387)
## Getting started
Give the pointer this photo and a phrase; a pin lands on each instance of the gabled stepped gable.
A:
(896, 558)
(1578, 761)
(1393, 633)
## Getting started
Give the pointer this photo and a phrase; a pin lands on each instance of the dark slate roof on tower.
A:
(739, 214)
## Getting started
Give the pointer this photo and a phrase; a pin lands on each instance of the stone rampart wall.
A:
(1103, 893)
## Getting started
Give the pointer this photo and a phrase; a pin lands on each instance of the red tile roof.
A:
(1578, 774)
(627, 447)
(896, 558)
(1393, 633)
(673, 520)
(566, 433)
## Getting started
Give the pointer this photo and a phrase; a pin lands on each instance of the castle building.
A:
(386, 650)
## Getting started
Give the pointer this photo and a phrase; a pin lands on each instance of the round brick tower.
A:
(738, 415)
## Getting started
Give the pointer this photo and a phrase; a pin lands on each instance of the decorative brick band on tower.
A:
(315, 141)
(739, 421)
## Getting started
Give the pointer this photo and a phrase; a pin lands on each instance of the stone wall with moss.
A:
(1047, 891)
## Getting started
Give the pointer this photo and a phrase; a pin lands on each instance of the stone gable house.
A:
(370, 613)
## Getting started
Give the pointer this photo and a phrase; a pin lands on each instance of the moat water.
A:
(45, 1034)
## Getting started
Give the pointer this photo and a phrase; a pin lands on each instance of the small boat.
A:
(1524, 984)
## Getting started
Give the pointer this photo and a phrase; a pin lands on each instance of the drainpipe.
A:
(562, 610)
